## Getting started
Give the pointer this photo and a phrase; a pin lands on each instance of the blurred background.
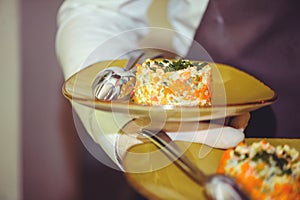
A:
(41, 154)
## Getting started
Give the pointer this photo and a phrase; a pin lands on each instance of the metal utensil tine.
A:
(105, 91)
(97, 89)
(101, 90)
(114, 92)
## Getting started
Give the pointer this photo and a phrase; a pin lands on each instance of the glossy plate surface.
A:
(234, 92)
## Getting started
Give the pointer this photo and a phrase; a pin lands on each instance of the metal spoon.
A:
(217, 186)
(109, 82)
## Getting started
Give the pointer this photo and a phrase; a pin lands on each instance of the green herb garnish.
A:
(177, 65)
(199, 67)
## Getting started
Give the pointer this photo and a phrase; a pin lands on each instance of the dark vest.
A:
(261, 37)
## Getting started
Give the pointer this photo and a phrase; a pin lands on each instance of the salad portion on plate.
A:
(225, 91)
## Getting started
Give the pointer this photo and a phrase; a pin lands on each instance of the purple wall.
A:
(50, 169)
(55, 164)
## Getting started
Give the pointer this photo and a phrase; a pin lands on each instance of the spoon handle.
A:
(174, 153)
(133, 60)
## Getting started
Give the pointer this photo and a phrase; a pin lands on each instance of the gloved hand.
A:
(214, 135)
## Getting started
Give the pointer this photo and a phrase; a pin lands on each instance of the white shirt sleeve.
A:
(185, 17)
(83, 25)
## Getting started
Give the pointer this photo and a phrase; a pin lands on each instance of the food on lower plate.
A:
(174, 82)
(264, 171)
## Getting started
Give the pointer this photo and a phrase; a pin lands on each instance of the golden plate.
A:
(234, 92)
(170, 182)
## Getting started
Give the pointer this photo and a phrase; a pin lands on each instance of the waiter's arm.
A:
(83, 25)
